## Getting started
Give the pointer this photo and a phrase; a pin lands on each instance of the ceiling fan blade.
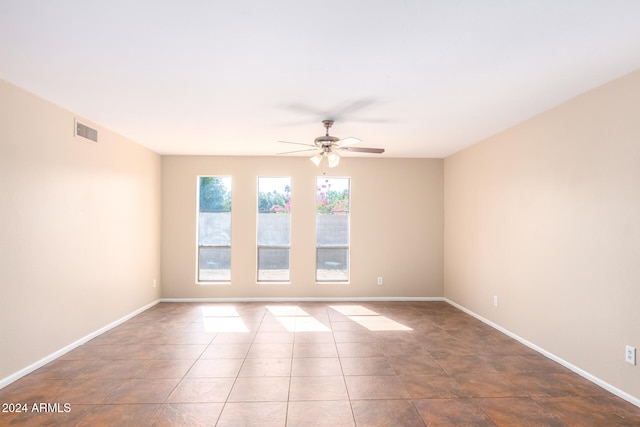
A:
(341, 112)
(297, 151)
(297, 143)
(364, 150)
(302, 108)
(356, 120)
(348, 141)
(345, 110)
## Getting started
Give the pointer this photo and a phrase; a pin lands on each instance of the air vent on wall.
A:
(86, 132)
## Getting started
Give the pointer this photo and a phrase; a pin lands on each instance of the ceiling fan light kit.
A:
(317, 159)
(328, 145)
(333, 159)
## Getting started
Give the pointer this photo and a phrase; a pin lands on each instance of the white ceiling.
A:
(234, 77)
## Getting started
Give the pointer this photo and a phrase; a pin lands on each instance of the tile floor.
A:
(309, 364)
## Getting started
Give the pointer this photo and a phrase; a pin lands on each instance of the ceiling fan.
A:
(329, 145)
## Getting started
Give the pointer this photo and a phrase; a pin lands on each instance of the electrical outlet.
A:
(154, 283)
(379, 280)
(495, 300)
(630, 355)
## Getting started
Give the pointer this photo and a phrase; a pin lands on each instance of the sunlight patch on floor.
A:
(369, 318)
(220, 311)
(379, 323)
(286, 310)
(353, 310)
(295, 319)
(223, 318)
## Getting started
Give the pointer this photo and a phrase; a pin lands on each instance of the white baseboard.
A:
(624, 395)
(21, 373)
(303, 299)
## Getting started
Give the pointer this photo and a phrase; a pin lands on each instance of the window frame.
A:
(347, 247)
(199, 281)
(271, 246)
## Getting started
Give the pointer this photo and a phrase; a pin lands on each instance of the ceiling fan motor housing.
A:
(326, 141)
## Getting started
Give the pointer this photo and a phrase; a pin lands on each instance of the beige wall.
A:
(79, 229)
(396, 227)
(546, 216)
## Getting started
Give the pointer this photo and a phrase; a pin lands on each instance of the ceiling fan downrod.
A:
(326, 141)
(327, 124)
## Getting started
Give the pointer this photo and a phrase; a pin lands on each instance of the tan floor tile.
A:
(274, 337)
(491, 385)
(344, 324)
(315, 367)
(539, 363)
(258, 414)
(313, 337)
(355, 336)
(334, 413)
(233, 338)
(573, 384)
(131, 351)
(510, 364)
(274, 325)
(403, 349)
(89, 391)
(359, 350)
(318, 388)
(113, 369)
(121, 415)
(63, 369)
(176, 351)
(136, 390)
(226, 351)
(502, 345)
(186, 414)
(32, 389)
(163, 369)
(211, 368)
(592, 411)
(432, 387)
(366, 366)
(215, 325)
(312, 324)
(252, 389)
(517, 411)
(201, 390)
(415, 366)
(387, 336)
(375, 387)
(264, 350)
(456, 365)
(184, 338)
(315, 350)
(266, 368)
(453, 347)
(384, 413)
(452, 412)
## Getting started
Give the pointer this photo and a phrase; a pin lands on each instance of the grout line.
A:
(344, 379)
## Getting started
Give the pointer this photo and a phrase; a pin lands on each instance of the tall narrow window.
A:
(214, 229)
(274, 228)
(332, 229)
